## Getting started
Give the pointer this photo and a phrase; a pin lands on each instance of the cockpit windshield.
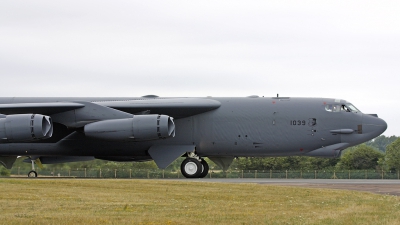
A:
(341, 108)
(352, 108)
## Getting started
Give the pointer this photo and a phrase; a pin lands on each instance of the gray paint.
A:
(138, 128)
(25, 127)
(43, 108)
(217, 127)
(7, 161)
(90, 113)
(164, 155)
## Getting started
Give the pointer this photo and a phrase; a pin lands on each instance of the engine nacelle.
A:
(140, 127)
(25, 127)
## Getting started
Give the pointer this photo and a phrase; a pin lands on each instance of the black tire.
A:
(205, 169)
(32, 173)
(191, 168)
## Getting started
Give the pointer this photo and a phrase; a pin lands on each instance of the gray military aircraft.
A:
(58, 130)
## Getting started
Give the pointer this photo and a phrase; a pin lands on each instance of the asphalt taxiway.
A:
(391, 187)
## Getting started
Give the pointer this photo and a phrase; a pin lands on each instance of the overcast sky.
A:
(341, 49)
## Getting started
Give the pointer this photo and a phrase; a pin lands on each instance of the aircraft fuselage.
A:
(254, 126)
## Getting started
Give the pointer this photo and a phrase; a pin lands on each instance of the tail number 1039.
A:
(298, 122)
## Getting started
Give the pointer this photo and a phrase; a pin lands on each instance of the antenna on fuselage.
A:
(277, 95)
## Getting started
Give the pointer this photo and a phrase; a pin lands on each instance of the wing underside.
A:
(47, 108)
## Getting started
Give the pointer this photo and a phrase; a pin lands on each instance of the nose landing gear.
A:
(194, 167)
(32, 173)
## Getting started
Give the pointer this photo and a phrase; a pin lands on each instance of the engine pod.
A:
(143, 127)
(25, 127)
(140, 127)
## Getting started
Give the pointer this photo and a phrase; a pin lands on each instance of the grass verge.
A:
(107, 201)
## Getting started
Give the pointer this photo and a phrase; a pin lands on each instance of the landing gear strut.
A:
(194, 167)
(32, 173)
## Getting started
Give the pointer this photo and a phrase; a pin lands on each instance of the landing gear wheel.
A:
(191, 168)
(205, 169)
(32, 173)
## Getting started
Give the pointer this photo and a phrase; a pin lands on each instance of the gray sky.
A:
(341, 49)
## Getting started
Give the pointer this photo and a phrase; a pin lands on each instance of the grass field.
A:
(108, 201)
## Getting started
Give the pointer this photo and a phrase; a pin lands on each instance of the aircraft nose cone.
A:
(373, 125)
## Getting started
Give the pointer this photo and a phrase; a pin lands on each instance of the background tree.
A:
(267, 163)
(381, 142)
(392, 157)
(360, 157)
(285, 163)
(317, 163)
(4, 172)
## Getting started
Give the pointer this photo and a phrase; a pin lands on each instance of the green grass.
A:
(108, 201)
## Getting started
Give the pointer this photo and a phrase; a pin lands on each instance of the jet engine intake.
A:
(138, 128)
(25, 127)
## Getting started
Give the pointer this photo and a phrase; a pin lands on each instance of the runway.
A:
(390, 187)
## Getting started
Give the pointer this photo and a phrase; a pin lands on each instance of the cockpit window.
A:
(341, 108)
(333, 108)
(353, 108)
(345, 108)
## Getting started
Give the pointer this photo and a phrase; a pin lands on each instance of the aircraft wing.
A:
(47, 108)
(175, 107)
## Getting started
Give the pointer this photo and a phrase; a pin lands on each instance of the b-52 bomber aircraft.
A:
(57, 130)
